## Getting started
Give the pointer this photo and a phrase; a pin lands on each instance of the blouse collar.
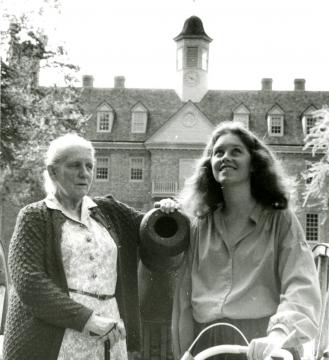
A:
(254, 215)
(87, 204)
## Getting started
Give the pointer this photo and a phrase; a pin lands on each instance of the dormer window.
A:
(308, 120)
(309, 123)
(138, 119)
(275, 125)
(104, 118)
(241, 114)
(275, 121)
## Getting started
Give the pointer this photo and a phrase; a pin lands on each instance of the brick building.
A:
(147, 140)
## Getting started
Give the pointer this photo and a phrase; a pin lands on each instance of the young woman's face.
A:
(73, 175)
(230, 160)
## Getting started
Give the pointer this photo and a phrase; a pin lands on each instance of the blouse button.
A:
(88, 239)
(91, 257)
(94, 276)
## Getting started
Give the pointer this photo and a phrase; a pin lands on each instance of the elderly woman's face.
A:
(73, 174)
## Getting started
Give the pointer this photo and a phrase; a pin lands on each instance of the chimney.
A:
(267, 84)
(87, 81)
(299, 84)
(119, 82)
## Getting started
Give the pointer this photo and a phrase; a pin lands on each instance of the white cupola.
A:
(192, 60)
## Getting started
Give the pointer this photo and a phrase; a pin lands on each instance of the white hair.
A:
(57, 151)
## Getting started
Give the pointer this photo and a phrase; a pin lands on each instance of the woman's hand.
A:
(105, 328)
(167, 205)
(121, 328)
(99, 325)
(262, 348)
(118, 332)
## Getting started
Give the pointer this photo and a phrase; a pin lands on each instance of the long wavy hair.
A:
(269, 187)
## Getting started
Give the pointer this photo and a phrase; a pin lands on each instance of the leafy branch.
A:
(318, 172)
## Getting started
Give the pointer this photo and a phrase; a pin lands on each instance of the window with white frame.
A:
(241, 114)
(275, 121)
(242, 119)
(138, 119)
(275, 125)
(102, 171)
(191, 56)
(309, 121)
(137, 169)
(104, 118)
(312, 227)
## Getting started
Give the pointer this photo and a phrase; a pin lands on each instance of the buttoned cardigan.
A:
(39, 304)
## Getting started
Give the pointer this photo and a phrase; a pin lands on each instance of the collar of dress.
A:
(87, 204)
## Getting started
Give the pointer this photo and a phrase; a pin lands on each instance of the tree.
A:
(317, 193)
(31, 115)
(318, 172)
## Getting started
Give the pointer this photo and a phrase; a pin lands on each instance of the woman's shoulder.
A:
(200, 222)
(286, 215)
(283, 220)
(35, 208)
(204, 213)
(33, 215)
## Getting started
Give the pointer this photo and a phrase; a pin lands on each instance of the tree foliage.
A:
(317, 188)
(31, 115)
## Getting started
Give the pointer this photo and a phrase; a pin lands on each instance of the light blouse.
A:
(267, 272)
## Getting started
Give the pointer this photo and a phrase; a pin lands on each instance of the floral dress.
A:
(90, 262)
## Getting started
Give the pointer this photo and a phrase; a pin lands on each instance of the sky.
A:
(252, 39)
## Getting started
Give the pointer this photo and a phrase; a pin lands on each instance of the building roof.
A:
(216, 105)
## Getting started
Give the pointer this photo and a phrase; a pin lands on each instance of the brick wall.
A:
(135, 193)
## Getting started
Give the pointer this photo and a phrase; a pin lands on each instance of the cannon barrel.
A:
(165, 237)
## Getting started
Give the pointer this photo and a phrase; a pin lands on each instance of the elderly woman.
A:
(73, 266)
(248, 264)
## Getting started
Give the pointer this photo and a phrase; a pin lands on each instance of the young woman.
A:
(248, 263)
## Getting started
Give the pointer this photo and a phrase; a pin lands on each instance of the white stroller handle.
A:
(232, 349)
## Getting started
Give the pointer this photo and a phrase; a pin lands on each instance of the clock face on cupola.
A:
(191, 78)
(192, 60)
